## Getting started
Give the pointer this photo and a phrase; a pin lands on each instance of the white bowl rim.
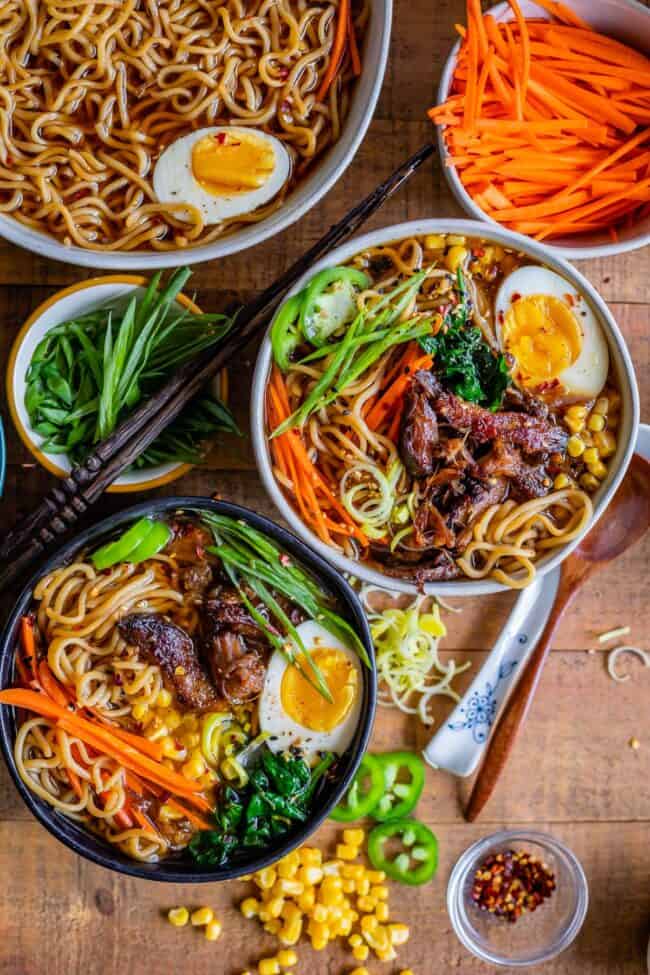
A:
(465, 201)
(629, 393)
(144, 480)
(304, 198)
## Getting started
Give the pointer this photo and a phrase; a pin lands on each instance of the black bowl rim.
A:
(93, 848)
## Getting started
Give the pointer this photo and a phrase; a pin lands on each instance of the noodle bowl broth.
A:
(489, 503)
(146, 742)
(93, 95)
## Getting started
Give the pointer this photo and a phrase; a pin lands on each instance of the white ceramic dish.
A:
(625, 20)
(620, 358)
(306, 195)
(77, 300)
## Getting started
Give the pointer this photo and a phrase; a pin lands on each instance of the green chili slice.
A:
(403, 784)
(152, 543)
(417, 860)
(139, 542)
(364, 793)
(285, 332)
(330, 302)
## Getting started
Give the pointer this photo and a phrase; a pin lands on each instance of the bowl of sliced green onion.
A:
(89, 355)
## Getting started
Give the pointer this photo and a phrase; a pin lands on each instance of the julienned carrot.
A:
(355, 57)
(151, 748)
(189, 814)
(541, 117)
(98, 738)
(75, 782)
(28, 642)
(394, 393)
(337, 51)
(51, 686)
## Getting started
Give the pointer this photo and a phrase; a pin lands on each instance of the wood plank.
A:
(85, 919)
(584, 769)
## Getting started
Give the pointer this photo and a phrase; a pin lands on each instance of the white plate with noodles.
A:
(189, 150)
(450, 413)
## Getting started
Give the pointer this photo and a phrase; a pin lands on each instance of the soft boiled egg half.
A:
(557, 346)
(295, 715)
(224, 172)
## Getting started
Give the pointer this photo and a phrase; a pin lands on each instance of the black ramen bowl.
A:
(181, 870)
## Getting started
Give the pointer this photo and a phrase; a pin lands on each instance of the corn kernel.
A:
(139, 710)
(577, 412)
(379, 892)
(194, 768)
(606, 443)
(268, 966)
(575, 446)
(363, 886)
(376, 876)
(366, 904)
(348, 886)
(353, 870)
(346, 852)
(250, 907)
(344, 926)
(275, 905)
(589, 482)
(164, 698)
(574, 425)
(202, 916)
(561, 481)
(434, 242)
(173, 720)
(265, 878)
(307, 900)
(406, 971)
(598, 469)
(360, 971)
(170, 749)
(332, 868)
(290, 933)
(287, 958)
(369, 923)
(264, 914)
(318, 943)
(319, 913)
(288, 865)
(399, 933)
(213, 930)
(455, 257)
(354, 837)
(596, 422)
(455, 239)
(178, 916)
(383, 911)
(309, 875)
(590, 456)
(361, 952)
(386, 954)
(310, 856)
(290, 888)
(355, 940)
(274, 926)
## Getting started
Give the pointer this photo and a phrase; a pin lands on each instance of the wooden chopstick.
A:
(61, 508)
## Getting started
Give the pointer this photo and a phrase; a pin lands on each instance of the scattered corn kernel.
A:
(596, 422)
(606, 443)
(379, 892)
(383, 912)
(193, 769)
(406, 971)
(399, 933)
(202, 916)
(265, 878)
(366, 904)
(434, 242)
(290, 933)
(275, 906)
(561, 481)
(354, 837)
(386, 954)
(369, 923)
(274, 926)
(590, 456)
(287, 958)
(250, 907)
(346, 852)
(575, 446)
(376, 876)
(268, 966)
(455, 257)
(164, 698)
(598, 469)
(178, 916)
(355, 940)
(361, 952)
(360, 971)
(589, 482)
(139, 710)
(213, 930)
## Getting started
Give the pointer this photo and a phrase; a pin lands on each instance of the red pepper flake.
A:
(501, 318)
(516, 296)
(220, 137)
(570, 300)
(479, 252)
(511, 884)
(283, 73)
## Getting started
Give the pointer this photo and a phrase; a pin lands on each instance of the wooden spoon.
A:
(624, 522)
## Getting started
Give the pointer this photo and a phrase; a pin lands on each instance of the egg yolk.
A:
(544, 337)
(228, 163)
(307, 706)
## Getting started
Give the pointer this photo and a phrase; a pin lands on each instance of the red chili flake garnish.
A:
(284, 559)
(511, 884)
(220, 137)
(516, 296)
(570, 300)
(501, 318)
(178, 745)
(283, 73)
(479, 252)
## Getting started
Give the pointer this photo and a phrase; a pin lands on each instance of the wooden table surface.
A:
(572, 773)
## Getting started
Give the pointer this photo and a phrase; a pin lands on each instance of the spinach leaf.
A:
(463, 358)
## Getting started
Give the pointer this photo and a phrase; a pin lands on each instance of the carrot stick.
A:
(190, 815)
(51, 686)
(354, 47)
(75, 782)
(336, 53)
(394, 393)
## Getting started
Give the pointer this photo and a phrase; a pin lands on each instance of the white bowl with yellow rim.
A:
(79, 299)
(621, 365)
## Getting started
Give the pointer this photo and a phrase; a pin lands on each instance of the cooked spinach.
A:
(277, 796)
(464, 359)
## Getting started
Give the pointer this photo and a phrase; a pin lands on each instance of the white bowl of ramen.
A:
(621, 375)
(627, 21)
(70, 302)
(130, 172)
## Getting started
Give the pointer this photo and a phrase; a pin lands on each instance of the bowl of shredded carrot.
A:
(543, 122)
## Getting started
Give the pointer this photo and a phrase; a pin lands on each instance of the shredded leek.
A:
(370, 495)
(613, 656)
(409, 667)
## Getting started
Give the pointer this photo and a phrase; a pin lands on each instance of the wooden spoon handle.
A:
(517, 706)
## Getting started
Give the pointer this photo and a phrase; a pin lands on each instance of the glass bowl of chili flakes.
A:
(517, 898)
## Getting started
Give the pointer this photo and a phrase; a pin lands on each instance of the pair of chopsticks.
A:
(64, 504)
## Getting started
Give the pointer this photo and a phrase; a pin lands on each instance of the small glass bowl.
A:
(534, 937)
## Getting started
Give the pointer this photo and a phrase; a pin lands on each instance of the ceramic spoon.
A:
(625, 521)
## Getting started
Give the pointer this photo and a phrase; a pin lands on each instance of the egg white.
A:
(283, 731)
(174, 182)
(585, 378)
